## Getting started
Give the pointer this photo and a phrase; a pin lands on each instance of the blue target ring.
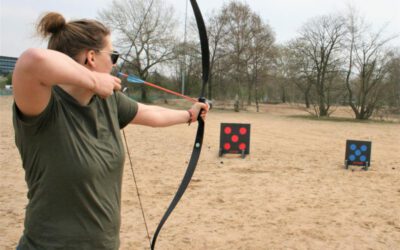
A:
(358, 152)
(352, 157)
(364, 148)
(353, 147)
(363, 158)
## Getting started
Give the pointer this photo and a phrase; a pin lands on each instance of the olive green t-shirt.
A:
(73, 158)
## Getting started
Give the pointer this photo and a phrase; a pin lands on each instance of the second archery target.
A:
(234, 139)
(358, 153)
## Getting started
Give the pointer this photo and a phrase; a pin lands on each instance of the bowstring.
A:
(123, 131)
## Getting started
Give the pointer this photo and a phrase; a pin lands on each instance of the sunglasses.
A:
(114, 55)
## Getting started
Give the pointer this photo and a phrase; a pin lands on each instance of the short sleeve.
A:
(34, 124)
(127, 109)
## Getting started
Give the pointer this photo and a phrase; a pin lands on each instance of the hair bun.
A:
(51, 23)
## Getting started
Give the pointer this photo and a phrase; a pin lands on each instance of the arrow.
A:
(137, 80)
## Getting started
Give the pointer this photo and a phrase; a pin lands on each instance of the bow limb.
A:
(200, 130)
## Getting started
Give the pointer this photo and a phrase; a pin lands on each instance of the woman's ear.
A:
(90, 58)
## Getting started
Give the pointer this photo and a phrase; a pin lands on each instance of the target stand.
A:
(358, 153)
(234, 139)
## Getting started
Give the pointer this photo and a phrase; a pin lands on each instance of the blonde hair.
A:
(72, 37)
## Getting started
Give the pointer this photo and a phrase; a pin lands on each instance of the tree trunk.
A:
(143, 96)
(307, 98)
(283, 94)
(236, 104)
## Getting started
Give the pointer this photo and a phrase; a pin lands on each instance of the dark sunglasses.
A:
(114, 55)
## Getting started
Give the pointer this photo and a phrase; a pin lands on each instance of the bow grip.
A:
(206, 101)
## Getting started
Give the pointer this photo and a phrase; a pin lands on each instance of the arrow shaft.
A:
(171, 92)
(161, 88)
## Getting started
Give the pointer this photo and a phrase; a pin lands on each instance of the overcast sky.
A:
(18, 17)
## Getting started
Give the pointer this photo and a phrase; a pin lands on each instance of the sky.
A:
(18, 17)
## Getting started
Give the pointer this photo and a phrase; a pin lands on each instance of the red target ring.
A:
(228, 130)
(243, 131)
(235, 138)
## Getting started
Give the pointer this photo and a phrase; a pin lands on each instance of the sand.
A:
(291, 192)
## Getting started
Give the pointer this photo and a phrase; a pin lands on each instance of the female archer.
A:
(67, 114)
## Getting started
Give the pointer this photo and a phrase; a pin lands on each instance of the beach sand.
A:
(291, 192)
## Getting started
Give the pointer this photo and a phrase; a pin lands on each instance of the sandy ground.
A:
(291, 192)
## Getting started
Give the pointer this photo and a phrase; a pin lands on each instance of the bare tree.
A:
(240, 44)
(367, 67)
(217, 32)
(299, 69)
(392, 94)
(281, 72)
(245, 46)
(260, 56)
(236, 43)
(145, 32)
(193, 70)
(290, 73)
(321, 38)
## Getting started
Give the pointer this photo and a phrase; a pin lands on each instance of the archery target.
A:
(235, 138)
(358, 153)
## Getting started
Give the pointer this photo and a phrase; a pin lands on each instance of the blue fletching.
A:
(134, 79)
(131, 78)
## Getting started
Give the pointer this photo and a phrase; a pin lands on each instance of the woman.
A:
(67, 117)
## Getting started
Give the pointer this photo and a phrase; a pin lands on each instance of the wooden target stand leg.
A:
(242, 153)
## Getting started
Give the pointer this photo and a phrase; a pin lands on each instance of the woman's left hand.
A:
(196, 108)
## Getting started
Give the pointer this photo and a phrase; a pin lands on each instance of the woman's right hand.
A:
(105, 84)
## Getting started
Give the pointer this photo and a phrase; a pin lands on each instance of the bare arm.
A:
(156, 116)
(37, 70)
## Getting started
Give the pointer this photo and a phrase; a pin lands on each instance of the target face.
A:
(358, 153)
(235, 138)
